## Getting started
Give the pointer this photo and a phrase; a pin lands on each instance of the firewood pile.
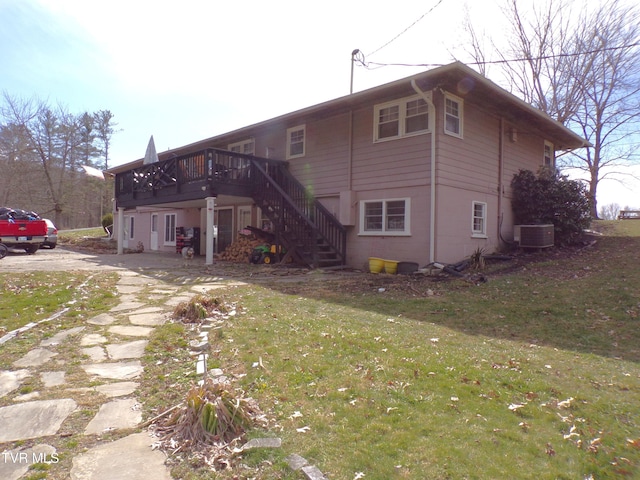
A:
(240, 250)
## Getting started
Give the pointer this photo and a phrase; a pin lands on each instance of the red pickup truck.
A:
(27, 232)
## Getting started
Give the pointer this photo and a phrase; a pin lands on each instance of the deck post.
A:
(120, 230)
(210, 230)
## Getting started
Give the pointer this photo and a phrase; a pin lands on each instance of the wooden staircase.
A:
(303, 226)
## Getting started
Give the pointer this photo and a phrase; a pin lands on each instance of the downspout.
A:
(500, 177)
(432, 212)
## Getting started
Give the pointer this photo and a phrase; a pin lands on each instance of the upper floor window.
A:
(549, 160)
(246, 146)
(452, 115)
(296, 141)
(385, 217)
(406, 116)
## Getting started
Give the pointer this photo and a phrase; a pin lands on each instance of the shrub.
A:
(551, 198)
(107, 223)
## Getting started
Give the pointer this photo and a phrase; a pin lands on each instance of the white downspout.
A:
(432, 213)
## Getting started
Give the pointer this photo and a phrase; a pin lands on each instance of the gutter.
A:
(432, 206)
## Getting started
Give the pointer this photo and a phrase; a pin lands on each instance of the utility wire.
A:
(373, 65)
(406, 29)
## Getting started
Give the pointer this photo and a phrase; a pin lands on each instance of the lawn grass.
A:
(33, 296)
(532, 375)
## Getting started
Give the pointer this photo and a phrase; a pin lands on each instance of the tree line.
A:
(43, 152)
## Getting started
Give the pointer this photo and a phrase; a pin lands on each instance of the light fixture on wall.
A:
(513, 134)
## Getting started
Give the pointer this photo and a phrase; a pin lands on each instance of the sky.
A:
(185, 71)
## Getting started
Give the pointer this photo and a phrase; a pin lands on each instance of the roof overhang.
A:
(455, 78)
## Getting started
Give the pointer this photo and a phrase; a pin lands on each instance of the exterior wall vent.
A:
(533, 236)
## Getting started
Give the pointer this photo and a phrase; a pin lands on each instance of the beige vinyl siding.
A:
(471, 163)
(324, 166)
(399, 163)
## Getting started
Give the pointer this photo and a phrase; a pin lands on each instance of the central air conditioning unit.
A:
(533, 236)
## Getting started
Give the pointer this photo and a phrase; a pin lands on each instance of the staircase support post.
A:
(211, 201)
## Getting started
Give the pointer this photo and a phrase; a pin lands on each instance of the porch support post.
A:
(120, 230)
(211, 201)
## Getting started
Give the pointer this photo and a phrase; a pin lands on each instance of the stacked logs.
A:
(240, 250)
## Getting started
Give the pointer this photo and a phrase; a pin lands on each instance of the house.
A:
(417, 170)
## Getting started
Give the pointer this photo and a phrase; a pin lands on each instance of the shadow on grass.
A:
(586, 300)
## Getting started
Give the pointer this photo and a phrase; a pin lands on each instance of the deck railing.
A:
(302, 221)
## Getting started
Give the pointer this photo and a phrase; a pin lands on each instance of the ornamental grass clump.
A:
(198, 308)
(211, 414)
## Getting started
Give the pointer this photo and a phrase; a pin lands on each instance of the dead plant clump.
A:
(198, 308)
(210, 424)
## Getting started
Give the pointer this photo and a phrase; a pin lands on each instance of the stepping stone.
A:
(175, 301)
(124, 306)
(150, 310)
(60, 337)
(262, 443)
(163, 291)
(115, 415)
(10, 381)
(129, 288)
(148, 319)
(96, 354)
(34, 419)
(102, 319)
(15, 463)
(52, 379)
(27, 397)
(118, 389)
(131, 457)
(117, 371)
(35, 358)
(120, 351)
(296, 462)
(131, 331)
(92, 339)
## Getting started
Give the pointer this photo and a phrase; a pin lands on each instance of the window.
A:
(246, 146)
(452, 115)
(479, 219)
(404, 117)
(385, 217)
(131, 229)
(295, 142)
(170, 229)
(549, 160)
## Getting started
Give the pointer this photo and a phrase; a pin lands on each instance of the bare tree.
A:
(580, 65)
(609, 211)
(51, 144)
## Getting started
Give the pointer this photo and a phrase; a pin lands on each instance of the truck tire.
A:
(31, 249)
(3, 250)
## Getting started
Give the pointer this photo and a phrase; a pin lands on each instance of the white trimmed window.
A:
(385, 217)
(170, 229)
(453, 115)
(296, 141)
(549, 160)
(400, 118)
(246, 146)
(479, 219)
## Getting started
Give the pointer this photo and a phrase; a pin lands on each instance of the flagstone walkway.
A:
(111, 346)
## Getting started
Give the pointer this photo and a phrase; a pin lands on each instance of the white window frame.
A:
(459, 115)
(245, 146)
(402, 118)
(170, 232)
(290, 132)
(384, 231)
(482, 231)
(549, 161)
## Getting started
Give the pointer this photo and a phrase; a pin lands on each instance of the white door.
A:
(128, 230)
(153, 241)
(244, 217)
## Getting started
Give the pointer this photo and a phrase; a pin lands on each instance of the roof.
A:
(456, 78)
